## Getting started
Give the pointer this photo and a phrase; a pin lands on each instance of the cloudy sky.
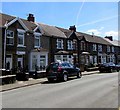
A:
(98, 18)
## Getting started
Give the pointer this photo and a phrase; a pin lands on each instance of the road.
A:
(90, 91)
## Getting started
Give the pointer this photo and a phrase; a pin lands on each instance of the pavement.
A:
(31, 81)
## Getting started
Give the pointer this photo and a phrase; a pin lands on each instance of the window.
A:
(99, 59)
(20, 37)
(70, 44)
(74, 44)
(65, 58)
(108, 48)
(94, 47)
(95, 59)
(113, 49)
(103, 59)
(34, 62)
(42, 62)
(82, 45)
(99, 48)
(58, 58)
(91, 59)
(10, 38)
(37, 41)
(59, 44)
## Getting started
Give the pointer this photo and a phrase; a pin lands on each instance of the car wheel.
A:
(101, 71)
(50, 80)
(111, 70)
(79, 75)
(65, 77)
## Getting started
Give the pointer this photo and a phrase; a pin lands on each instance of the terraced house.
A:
(22, 43)
(28, 44)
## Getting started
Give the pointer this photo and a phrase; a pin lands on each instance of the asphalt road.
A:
(90, 91)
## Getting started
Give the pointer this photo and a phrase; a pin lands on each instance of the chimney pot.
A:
(31, 18)
(109, 37)
(72, 28)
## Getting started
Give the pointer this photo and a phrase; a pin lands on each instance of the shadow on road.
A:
(54, 82)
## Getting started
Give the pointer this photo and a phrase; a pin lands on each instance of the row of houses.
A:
(28, 44)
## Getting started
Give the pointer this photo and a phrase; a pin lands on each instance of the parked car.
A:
(61, 71)
(107, 67)
(118, 67)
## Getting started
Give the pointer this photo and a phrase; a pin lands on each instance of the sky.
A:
(98, 18)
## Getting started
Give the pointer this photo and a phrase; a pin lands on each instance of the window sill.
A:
(36, 46)
(10, 44)
(60, 48)
(70, 48)
(21, 46)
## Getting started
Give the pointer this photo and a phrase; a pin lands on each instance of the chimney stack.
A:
(31, 18)
(109, 37)
(72, 28)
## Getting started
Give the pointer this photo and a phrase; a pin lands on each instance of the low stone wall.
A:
(8, 79)
(92, 69)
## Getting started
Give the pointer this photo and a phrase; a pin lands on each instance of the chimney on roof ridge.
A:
(72, 28)
(31, 18)
(109, 37)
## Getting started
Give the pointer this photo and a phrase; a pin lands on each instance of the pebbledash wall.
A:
(29, 44)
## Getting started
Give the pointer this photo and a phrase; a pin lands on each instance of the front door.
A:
(8, 62)
(20, 61)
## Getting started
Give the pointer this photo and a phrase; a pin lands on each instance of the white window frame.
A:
(33, 60)
(70, 44)
(22, 36)
(94, 47)
(113, 49)
(37, 36)
(82, 44)
(95, 59)
(99, 48)
(60, 41)
(10, 37)
(108, 48)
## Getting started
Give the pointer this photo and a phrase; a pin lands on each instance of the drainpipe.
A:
(4, 49)
(5, 45)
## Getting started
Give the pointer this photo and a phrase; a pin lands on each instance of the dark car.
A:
(118, 67)
(107, 67)
(61, 71)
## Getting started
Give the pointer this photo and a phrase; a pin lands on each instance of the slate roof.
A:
(54, 31)
(114, 42)
(7, 18)
(4, 18)
(66, 31)
(94, 39)
(51, 31)
(88, 38)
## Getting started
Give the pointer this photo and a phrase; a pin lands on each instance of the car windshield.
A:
(53, 65)
(65, 65)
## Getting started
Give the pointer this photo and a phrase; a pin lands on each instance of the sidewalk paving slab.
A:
(31, 81)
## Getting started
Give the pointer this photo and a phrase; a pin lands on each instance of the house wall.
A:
(12, 49)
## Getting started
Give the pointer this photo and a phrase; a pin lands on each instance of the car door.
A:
(72, 69)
